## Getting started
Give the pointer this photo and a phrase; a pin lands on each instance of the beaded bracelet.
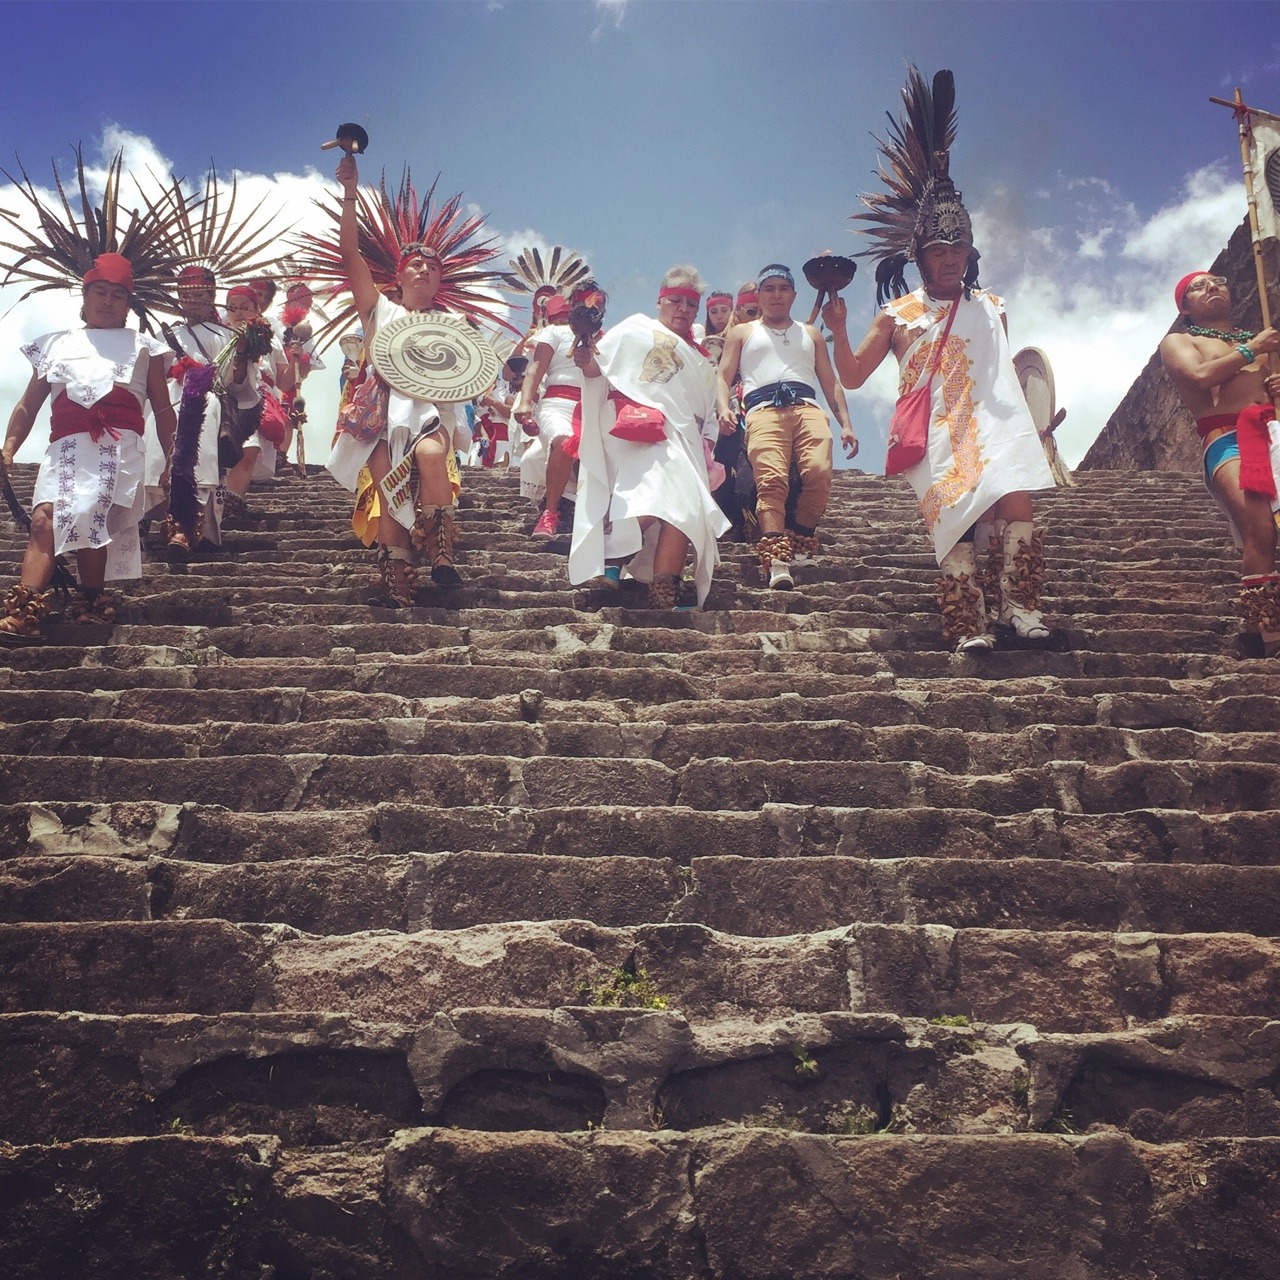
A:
(1247, 352)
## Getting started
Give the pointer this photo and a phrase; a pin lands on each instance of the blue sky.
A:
(727, 133)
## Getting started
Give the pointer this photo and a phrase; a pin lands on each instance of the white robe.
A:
(621, 481)
(95, 486)
(983, 443)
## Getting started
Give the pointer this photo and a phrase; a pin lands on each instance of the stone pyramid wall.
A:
(525, 935)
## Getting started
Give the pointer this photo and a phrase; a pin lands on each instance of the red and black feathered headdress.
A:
(388, 221)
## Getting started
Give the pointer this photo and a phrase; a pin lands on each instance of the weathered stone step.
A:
(776, 896)
(200, 833)
(319, 1079)
(709, 1205)
(955, 750)
(1212, 706)
(260, 783)
(754, 897)
(1062, 981)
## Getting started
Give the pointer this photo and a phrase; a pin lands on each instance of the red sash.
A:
(561, 391)
(1253, 439)
(116, 412)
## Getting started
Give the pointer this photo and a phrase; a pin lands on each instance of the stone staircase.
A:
(528, 934)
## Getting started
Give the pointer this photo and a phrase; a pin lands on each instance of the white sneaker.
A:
(780, 578)
(976, 644)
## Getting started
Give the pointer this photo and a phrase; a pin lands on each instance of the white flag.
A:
(1264, 165)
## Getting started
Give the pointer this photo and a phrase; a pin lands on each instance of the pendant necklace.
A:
(784, 334)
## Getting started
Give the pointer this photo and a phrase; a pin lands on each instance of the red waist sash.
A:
(116, 412)
(1253, 439)
(561, 391)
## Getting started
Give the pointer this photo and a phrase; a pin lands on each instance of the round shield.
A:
(432, 356)
(1036, 377)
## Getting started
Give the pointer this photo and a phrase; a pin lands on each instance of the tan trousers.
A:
(776, 438)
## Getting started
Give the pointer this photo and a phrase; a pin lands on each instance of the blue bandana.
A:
(775, 269)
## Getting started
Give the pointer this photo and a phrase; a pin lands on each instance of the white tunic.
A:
(95, 486)
(407, 419)
(554, 414)
(622, 481)
(983, 443)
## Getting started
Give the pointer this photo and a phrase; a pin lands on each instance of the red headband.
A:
(557, 308)
(114, 268)
(243, 291)
(712, 297)
(679, 291)
(747, 295)
(1180, 289)
(195, 278)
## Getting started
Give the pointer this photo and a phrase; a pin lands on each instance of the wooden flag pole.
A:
(1242, 114)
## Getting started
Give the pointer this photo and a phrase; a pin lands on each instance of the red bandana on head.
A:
(1180, 289)
(114, 268)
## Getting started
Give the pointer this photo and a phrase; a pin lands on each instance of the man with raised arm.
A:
(779, 360)
(1215, 367)
(982, 447)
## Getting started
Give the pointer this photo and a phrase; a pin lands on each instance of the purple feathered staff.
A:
(184, 503)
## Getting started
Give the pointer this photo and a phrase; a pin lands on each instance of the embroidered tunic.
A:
(983, 443)
(95, 485)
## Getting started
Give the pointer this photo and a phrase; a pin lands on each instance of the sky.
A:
(724, 133)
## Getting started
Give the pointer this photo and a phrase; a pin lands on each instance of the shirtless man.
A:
(1215, 367)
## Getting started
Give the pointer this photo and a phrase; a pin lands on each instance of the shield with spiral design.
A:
(434, 357)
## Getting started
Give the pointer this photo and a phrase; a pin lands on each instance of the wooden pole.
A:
(1242, 114)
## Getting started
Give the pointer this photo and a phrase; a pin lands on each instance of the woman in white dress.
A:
(89, 493)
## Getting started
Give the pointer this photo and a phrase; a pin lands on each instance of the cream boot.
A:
(1021, 579)
(964, 622)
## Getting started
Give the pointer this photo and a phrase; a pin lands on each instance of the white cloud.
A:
(611, 13)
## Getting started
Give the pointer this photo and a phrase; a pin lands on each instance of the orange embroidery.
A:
(907, 308)
(966, 467)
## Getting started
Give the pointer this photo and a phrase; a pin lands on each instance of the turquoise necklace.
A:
(1235, 335)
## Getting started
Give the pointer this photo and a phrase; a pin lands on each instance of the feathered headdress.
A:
(207, 233)
(560, 273)
(66, 246)
(387, 221)
(921, 205)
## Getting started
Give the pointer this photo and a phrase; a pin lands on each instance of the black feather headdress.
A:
(920, 205)
(57, 255)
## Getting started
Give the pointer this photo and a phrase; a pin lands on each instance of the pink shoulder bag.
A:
(909, 426)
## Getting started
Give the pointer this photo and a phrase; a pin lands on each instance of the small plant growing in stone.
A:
(950, 1020)
(179, 1125)
(807, 1067)
(858, 1122)
(1021, 1088)
(627, 990)
(1062, 1121)
(770, 1116)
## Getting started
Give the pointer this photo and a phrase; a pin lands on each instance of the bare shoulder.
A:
(1175, 344)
